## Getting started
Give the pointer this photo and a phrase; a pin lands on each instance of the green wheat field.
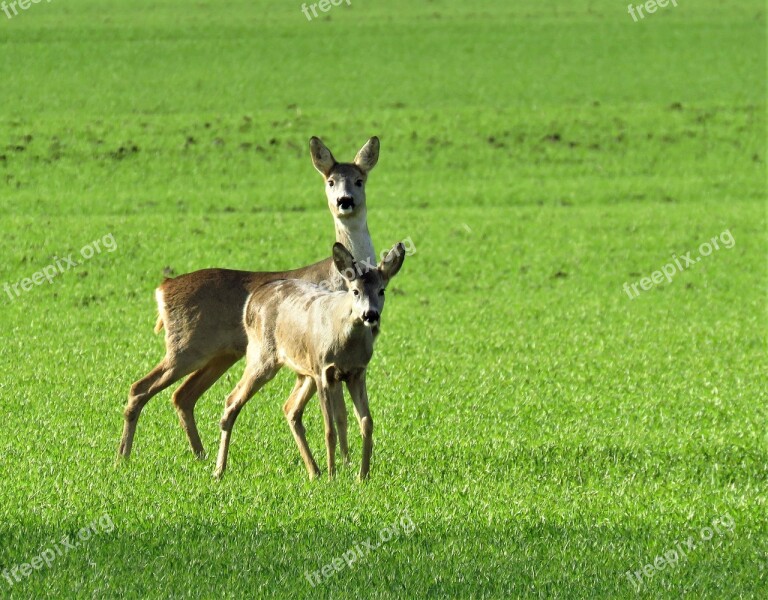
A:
(543, 429)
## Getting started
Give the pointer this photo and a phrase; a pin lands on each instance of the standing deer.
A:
(326, 337)
(202, 312)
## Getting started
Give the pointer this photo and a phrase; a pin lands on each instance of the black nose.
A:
(370, 316)
(345, 202)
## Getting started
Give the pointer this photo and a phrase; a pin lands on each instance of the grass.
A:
(543, 433)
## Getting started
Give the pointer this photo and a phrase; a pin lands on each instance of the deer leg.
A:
(359, 393)
(328, 390)
(188, 393)
(164, 374)
(253, 379)
(340, 414)
(294, 411)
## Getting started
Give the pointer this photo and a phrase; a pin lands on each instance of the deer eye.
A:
(359, 183)
(381, 292)
(330, 183)
(356, 292)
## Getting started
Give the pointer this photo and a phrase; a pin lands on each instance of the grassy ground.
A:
(538, 432)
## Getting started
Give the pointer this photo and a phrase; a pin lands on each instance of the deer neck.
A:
(354, 235)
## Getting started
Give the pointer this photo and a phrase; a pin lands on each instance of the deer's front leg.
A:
(340, 415)
(359, 393)
(328, 391)
(294, 411)
(254, 377)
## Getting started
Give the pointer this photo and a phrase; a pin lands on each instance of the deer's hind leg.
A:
(188, 393)
(167, 372)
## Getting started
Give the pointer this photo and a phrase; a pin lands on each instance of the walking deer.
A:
(202, 311)
(325, 338)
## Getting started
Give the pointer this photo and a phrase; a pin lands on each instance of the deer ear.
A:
(344, 261)
(368, 156)
(392, 261)
(321, 156)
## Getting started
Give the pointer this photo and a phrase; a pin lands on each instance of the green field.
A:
(538, 433)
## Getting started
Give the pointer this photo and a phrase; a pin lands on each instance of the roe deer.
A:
(321, 335)
(202, 312)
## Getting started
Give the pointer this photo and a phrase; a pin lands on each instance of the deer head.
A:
(366, 286)
(345, 182)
